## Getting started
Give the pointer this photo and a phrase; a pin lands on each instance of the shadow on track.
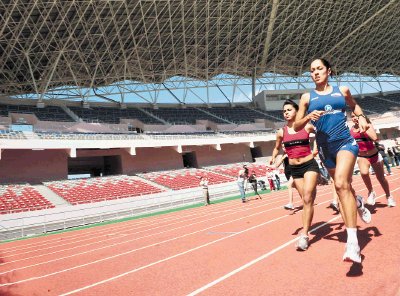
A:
(364, 237)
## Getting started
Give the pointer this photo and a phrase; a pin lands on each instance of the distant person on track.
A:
(253, 181)
(385, 159)
(325, 108)
(243, 176)
(206, 194)
(270, 178)
(368, 156)
(303, 167)
(277, 179)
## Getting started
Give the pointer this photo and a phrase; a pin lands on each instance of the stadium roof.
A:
(45, 44)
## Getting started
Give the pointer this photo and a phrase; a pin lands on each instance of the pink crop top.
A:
(296, 145)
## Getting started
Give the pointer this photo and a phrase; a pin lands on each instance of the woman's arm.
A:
(301, 118)
(371, 133)
(355, 107)
(315, 149)
(278, 143)
(278, 164)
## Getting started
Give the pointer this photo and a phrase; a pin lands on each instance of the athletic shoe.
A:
(243, 200)
(334, 206)
(364, 213)
(352, 253)
(391, 202)
(302, 243)
(289, 206)
(371, 198)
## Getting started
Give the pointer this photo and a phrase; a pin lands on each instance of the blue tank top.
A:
(332, 125)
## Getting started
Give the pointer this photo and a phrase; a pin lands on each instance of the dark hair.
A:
(290, 102)
(328, 65)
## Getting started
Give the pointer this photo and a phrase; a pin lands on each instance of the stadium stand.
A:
(100, 189)
(276, 114)
(185, 178)
(395, 98)
(377, 105)
(240, 114)
(8, 134)
(21, 198)
(112, 115)
(86, 136)
(48, 113)
(187, 115)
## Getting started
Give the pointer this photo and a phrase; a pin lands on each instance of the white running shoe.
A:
(352, 253)
(391, 202)
(371, 198)
(364, 213)
(289, 206)
(302, 243)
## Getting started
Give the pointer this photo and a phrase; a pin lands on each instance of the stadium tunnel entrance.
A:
(189, 160)
(95, 166)
(256, 152)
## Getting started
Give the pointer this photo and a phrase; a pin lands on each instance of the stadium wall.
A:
(151, 159)
(36, 166)
(32, 166)
(229, 153)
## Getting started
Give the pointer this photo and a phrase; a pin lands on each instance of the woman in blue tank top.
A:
(325, 107)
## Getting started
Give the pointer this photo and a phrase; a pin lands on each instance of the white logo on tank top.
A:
(328, 108)
(336, 95)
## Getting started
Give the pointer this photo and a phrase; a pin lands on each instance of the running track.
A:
(228, 248)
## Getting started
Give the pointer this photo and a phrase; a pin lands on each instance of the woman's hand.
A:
(363, 124)
(315, 115)
(272, 161)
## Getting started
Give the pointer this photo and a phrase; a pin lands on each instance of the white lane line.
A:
(191, 250)
(290, 242)
(183, 253)
(176, 220)
(262, 257)
(128, 252)
(273, 200)
(146, 236)
(171, 257)
(95, 231)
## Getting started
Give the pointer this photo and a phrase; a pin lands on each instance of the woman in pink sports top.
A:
(368, 156)
(303, 167)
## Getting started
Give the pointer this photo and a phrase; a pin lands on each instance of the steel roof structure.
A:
(90, 44)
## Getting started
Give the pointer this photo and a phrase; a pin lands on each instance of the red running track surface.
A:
(228, 248)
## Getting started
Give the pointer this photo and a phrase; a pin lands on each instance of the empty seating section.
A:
(239, 115)
(276, 114)
(395, 98)
(100, 189)
(7, 134)
(186, 178)
(48, 113)
(377, 105)
(21, 198)
(183, 115)
(112, 115)
(86, 136)
(233, 169)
